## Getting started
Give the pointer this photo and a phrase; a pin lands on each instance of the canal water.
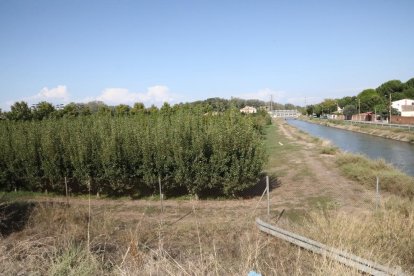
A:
(400, 154)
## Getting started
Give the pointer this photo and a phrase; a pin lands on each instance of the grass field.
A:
(322, 199)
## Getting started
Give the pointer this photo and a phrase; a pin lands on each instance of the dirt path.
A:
(314, 179)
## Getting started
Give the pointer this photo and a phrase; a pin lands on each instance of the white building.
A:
(284, 113)
(405, 106)
(248, 109)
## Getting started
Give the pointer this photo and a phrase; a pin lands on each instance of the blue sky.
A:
(153, 51)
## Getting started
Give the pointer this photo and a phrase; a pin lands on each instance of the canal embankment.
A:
(379, 130)
(399, 154)
(359, 157)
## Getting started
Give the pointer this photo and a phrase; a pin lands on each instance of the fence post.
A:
(161, 196)
(268, 196)
(378, 195)
(66, 190)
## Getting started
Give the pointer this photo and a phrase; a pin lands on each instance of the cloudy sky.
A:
(124, 51)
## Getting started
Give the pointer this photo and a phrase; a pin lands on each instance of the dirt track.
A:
(319, 178)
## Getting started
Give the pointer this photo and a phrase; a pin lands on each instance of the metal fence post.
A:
(268, 195)
(378, 195)
(161, 195)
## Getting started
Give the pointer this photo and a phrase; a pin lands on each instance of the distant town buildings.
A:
(248, 110)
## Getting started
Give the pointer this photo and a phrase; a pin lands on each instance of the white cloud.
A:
(55, 95)
(59, 93)
(157, 95)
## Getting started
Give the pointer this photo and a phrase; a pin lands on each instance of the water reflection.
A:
(400, 154)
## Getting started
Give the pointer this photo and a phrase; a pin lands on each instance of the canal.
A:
(400, 154)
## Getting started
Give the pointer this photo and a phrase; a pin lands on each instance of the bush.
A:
(120, 155)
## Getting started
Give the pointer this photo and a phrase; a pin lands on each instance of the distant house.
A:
(248, 110)
(336, 116)
(367, 116)
(405, 107)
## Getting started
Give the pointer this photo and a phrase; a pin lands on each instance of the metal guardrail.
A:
(347, 259)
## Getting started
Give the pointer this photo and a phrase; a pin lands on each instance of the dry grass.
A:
(54, 242)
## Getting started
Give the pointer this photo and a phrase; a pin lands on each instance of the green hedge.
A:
(191, 151)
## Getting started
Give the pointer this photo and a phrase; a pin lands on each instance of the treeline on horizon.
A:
(192, 151)
(21, 111)
(369, 100)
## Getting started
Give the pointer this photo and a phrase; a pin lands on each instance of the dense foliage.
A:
(190, 150)
(369, 100)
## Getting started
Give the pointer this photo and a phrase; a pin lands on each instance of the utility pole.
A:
(306, 106)
(359, 109)
(271, 102)
(390, 108)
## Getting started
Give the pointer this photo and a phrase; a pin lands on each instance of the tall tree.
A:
(368, 99)
(390, 87)
(410, 83)
(137, 108)
(20, 111)
(70, 110)
(328, 106)
(347, 100)
(349, 110)
(122, 109)
(43, 110)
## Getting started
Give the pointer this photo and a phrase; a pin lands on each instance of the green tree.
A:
(328, 106)
(84, 109)
(382, 110)
(43, 110)
(70, 110)
(317, 110)
(410, 83)
(152, 109)
(390, 87)
(349, 110)
(309, 109)
(368, 99)
(409, 93)
(95, 105)
(104, 110)
(20, 111)
(348, 100)
(122, 110)
(137, 108)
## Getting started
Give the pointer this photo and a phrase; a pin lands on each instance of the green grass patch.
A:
(331, 150)
(279, 149)
(365, 171)
(23, 195)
